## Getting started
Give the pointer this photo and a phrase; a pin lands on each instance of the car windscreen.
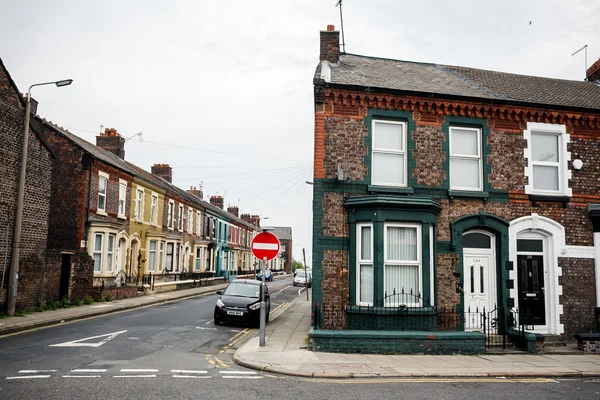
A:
(300, 274)
(242, 290)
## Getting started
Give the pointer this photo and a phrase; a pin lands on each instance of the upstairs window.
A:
(122, 198)
(170, 211)
(102, 184)
(154, 210)
(138, 212)
(465, 159)
(388, 154)
(545, 161)
(190, 220)
(180, 220)
(547, 157)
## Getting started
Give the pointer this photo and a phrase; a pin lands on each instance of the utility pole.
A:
(305, 271)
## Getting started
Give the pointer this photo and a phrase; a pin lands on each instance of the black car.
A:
(240, 302)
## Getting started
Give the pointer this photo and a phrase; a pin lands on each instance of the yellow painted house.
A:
(146, 236)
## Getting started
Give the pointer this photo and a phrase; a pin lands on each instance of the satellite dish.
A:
(340, 173)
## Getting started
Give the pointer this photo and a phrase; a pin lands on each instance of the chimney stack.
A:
(163, 171)
(330, 45)
(217, 201)
(233, 210)
(255, 220)
(111, 141)
(195, 192)
(593, 73)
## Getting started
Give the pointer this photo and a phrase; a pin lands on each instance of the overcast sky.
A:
(222, 90)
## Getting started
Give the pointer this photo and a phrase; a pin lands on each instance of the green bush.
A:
(78, 302)
(88, 300)
(108, 297)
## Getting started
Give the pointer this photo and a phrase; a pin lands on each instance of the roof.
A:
(356, 70)
(134, 170)
(282, 232)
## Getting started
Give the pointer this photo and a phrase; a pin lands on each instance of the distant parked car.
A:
(302, 278)
(240, 302)
(268, 276)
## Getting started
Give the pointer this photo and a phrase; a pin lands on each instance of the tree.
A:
(296, 265)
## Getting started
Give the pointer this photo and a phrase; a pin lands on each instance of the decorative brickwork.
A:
(335, 217)
(446, 281)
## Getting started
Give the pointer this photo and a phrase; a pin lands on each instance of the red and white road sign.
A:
(265, 246)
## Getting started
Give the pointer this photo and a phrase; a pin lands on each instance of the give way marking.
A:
(79, 342)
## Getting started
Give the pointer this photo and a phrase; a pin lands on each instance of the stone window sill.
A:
(452, 194)
(542, 198)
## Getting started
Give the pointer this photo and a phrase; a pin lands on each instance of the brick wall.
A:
(335, 284)
(37, 186)
(340, 134)
(579, 294)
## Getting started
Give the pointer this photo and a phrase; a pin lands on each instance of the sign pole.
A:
(262, 306)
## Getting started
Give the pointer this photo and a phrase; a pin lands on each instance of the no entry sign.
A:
(265, 246)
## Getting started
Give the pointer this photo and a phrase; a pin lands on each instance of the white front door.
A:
(477, 282)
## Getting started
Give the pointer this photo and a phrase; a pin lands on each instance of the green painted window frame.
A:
(393, 116)
(378, 210)
(468, 122)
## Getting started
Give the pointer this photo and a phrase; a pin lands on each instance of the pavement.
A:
(286, 350)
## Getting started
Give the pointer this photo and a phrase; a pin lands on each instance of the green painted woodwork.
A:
(495, 225)
(396, 342)
(391, 115)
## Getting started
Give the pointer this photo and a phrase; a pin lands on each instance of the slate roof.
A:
(282, 232)
(134, 170)
(461, 81)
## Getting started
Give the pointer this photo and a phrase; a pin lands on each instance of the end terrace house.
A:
(438, 188)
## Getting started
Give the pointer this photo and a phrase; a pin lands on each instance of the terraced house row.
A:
(452, 206)
(93, 219)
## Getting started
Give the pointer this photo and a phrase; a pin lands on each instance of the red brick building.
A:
(455, 187)
(33, 283)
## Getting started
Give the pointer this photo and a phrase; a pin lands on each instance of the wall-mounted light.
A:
(577, 164)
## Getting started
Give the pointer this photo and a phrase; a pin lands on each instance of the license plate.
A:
(235, 313)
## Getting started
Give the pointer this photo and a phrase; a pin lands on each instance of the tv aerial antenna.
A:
(339, 3)
(584, 48)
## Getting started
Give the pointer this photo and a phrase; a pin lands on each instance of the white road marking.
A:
(134, 376)
(82, 376)
(241, 377)
(35, 371)
(28, 377)
(300, 291)
(88, 370)
(78, 343)
(192, 376)
(208, 322)
(207, 329)
(139, 370)
(235, 330)
(238, 372)
(133, 338)
(187, 371)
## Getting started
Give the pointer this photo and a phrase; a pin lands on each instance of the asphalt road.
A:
(173, 351)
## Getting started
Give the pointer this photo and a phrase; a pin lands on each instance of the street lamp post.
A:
(14, 265)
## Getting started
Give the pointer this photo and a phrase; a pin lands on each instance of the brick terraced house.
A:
(444, 191)
(35, 282)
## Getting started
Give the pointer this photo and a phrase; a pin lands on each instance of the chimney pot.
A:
(111, 141)
(164, 171)
(593, 73)
(330, 45)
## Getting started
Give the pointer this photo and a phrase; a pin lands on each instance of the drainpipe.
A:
(89, 159)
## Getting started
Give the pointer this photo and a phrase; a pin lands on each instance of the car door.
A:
(267, 298)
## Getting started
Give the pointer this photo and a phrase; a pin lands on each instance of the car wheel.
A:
(217, 321)
(267, 319)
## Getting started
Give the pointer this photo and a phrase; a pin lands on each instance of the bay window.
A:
(97, 255)
(152, 256)
(402, 264)
(365, 264)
